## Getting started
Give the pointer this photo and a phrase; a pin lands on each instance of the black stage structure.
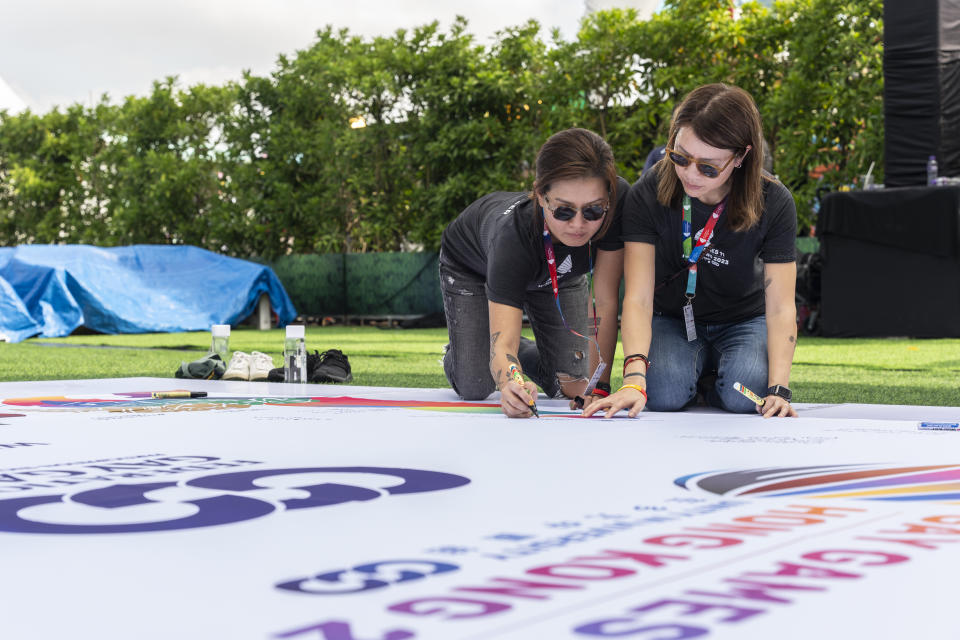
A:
(891, 257)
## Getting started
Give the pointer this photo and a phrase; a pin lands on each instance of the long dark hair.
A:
(573, 154)
(725, 117)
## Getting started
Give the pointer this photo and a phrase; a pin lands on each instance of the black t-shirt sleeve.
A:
(641, 211)
(512, 263)
(779, 242)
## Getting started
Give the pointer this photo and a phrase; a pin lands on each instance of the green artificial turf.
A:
(880, 371)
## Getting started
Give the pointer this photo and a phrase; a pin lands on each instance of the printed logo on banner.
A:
(364, 577)
(852, 481)
(208, 500)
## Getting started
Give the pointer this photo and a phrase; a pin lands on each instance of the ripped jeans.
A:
(555, 352)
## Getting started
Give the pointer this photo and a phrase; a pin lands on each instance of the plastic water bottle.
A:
(932, 171)
(220, 342)
(294, 355)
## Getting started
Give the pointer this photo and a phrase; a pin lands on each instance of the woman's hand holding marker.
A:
(517, 396)
(775, 406)
(772, 405)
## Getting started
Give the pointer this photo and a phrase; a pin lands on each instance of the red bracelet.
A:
(601, 393)
(636, 356)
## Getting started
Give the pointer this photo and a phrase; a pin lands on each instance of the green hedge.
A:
(270, 166)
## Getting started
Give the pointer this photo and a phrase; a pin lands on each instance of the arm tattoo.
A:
(498, 378)
(642, 375)
(512, 358)
(791, 339)
(493, 343)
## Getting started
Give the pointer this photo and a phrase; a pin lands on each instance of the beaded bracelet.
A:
(633, 386)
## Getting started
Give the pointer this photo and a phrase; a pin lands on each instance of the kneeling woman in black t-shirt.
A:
(710, 268)
(510, 253)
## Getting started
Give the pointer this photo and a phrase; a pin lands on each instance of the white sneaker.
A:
(260, 365)
(239, 367)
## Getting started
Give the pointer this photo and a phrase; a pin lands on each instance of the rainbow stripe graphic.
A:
(142, 402)
(851, 481)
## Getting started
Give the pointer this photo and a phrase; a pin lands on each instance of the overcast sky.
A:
(57, 52)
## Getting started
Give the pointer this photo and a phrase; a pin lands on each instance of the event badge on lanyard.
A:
(692, 255)
(552, 268)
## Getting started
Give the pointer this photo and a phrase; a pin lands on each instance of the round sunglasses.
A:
(705, 168)
(591, 212)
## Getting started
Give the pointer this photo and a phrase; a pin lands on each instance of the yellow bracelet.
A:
(633, 386)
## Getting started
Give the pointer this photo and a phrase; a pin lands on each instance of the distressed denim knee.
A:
(468, 329)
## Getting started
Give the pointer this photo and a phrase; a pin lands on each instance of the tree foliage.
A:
(268, 166)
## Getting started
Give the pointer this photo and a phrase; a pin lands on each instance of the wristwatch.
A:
(780, 390)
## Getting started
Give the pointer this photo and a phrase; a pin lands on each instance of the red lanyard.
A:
(702, 241)
(552, 268)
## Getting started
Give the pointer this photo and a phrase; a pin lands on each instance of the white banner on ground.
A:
(352, 513)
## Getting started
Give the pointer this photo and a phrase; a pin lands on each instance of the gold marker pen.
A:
(178, 394)
(749, 394)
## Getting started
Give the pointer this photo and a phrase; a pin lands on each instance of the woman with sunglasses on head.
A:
(710, 267)
(513, 252)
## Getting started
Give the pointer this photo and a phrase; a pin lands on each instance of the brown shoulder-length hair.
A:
(572, 154)
(725, 117)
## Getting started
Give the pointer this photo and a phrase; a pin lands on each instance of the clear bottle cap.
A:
(295, 330)
(220, 330)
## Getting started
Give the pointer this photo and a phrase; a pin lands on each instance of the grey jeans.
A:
(556, 350)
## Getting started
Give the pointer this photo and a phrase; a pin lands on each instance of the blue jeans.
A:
(556, 351)
(737, 351)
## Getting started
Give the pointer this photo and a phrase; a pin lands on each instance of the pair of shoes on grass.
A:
(256, 366)
(330, 366)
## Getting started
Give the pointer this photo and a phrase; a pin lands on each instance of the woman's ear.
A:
(540, 200)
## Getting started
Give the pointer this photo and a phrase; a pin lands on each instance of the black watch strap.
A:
(603, 386)
(780, 390)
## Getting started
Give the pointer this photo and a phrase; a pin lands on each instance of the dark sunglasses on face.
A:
(705, 168)
(591, 212)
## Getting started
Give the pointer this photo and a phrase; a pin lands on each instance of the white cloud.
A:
(62, 51)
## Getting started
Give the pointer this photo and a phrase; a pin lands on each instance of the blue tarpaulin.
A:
(51, 290)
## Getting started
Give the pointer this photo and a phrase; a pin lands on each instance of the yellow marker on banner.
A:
(750, 394)
(518, 378)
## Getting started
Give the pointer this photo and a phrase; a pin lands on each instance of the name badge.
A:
(595, 378)
(688, 321)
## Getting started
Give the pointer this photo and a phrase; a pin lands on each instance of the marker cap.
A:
(220, 330)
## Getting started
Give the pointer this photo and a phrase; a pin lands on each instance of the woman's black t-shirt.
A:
(730, 272)
(495, 239)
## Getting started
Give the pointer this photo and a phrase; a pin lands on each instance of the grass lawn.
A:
(880, 371)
